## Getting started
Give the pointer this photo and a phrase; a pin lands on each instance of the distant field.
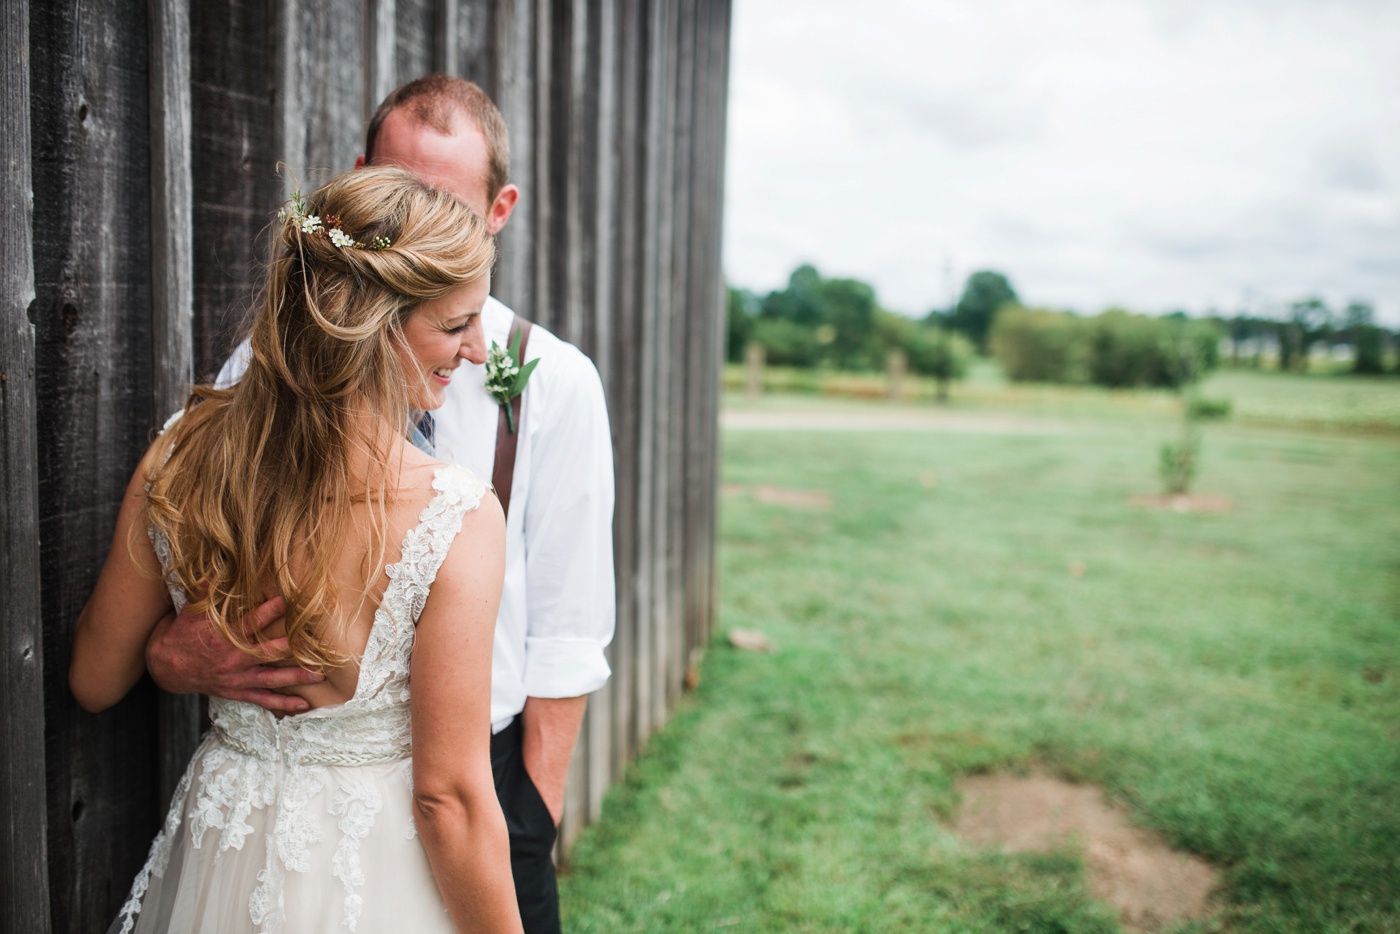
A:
(1317, 402)
(946, 602)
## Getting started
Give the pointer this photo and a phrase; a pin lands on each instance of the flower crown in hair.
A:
(328, 226)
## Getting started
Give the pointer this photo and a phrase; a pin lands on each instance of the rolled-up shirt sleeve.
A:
(570, 589)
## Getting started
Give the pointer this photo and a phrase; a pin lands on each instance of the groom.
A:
(557, 607)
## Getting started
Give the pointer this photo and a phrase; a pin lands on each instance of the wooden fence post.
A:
(897, 368)
(24, 889)
(754, 358)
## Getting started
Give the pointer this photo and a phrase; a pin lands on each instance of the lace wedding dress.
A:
(304, 824)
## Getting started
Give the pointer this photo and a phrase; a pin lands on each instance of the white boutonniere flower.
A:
(506, 377)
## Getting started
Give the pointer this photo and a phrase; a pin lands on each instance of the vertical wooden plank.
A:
(333, 95)
(698, 500)
(416, 42)
(172, 295)
(716, 94)
(444, 37)
(576, 123)
(683, 352)
(624, 386)
(380, 72)
(24, 900)
(570, 64)
(321, 87)
(543, 210)
(513, 32)
(289, 107)
(701, 438)
(696, 318)
(602, 37)
(648, 314)
(661, 129)
(89, 106)
(471, 50)
(234, 71)
(717, 97)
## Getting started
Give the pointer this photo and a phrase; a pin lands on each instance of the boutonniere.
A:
(505, 377)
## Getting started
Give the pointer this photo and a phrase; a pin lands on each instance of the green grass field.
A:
(1232, 678)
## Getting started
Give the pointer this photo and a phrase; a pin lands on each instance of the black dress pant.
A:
(532, 833)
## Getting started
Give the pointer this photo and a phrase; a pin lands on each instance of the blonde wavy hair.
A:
(257, 477)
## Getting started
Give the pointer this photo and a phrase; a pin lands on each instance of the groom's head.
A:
(447, 132)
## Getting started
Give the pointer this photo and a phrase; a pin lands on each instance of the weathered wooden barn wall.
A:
(140, 145)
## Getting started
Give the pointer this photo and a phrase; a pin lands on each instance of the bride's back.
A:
(358, 579)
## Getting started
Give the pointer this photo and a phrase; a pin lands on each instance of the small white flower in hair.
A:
(310, 224)
(340, 238)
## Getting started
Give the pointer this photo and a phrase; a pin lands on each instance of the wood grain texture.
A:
(236, 190)
(24, 902)
(571, 273)
(415, 42)
(467, 47)
(331, 92)
(172, 295)
(513, 38)
(91, 172)
(381, 73)
(662, 138)
(624, 388)
(599, 178)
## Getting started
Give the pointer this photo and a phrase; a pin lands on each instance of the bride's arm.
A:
(459, 818)
(109, 641)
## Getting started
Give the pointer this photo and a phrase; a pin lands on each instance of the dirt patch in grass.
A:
(781, 496)
(1184, 503)
(1150, 884)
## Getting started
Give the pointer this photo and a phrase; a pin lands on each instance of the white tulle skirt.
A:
(251, 846)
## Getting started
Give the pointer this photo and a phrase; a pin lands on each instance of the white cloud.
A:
(1153, 153)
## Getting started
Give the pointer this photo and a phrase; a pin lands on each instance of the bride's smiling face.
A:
(438, 336)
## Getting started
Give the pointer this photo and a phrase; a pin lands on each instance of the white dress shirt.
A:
(558, 607)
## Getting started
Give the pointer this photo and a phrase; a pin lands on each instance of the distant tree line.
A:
(1117, 348)
(839, 324)
(1305, 326)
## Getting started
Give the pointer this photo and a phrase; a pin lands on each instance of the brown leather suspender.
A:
(503, 471)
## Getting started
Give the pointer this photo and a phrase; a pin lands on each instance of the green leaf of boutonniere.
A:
(505, 377)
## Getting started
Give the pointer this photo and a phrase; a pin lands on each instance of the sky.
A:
(1229, 155)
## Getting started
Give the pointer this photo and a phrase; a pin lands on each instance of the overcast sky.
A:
(1156, 154)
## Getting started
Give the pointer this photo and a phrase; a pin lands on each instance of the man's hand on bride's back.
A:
(185, 655)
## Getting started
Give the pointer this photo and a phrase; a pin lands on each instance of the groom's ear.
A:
(359, 162)
(501, 206)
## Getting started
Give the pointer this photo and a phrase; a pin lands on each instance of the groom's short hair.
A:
(436, 100)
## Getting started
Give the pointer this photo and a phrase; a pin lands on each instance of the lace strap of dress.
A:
(159, 542)
(457, 492)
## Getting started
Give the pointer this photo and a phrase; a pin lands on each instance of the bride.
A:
(375, 810)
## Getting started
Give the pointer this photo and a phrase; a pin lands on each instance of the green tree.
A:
(1369, 342)
(787, 343)
(939, 353)
(849, 307)
(1039, 345)
(985, 292)
(740, 309)
(1309, 321)
(1127, 350)
(800, 302)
